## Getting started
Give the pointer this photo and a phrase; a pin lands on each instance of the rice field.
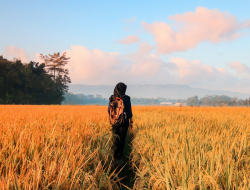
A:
(70, 147)
(55, 147)
(192, 148)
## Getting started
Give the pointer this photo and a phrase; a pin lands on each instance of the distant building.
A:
(180, 104)
(166, 103)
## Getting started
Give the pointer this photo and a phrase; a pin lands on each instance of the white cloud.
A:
(146, 47)
(239, 67)
(194, 72)
(97, 67)
(195, 27)
(129, 40)
(11, 52)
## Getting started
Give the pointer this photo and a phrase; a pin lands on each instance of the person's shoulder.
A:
(127, 97)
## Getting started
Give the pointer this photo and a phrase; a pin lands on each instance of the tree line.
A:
(82, 99)
(209, 100)
(215, 100)
(33, 82)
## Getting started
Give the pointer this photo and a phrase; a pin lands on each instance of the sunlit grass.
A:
(55, 147)
(69, 147)
(192, 148)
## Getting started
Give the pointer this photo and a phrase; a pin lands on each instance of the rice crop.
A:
(55, 147)
(70, 147)
(191, 148)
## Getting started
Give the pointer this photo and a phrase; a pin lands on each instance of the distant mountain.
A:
(153, 91)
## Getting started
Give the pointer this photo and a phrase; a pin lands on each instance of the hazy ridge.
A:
(153, 91)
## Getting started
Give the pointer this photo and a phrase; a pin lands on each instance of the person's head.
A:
(120, 89)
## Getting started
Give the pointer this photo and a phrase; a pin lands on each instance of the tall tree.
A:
(55, 64)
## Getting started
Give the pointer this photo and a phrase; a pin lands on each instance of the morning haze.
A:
(153, 91)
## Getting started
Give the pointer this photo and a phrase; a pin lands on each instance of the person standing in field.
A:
(120, 116)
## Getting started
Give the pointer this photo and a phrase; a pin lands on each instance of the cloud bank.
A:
(142, 67)
(193, 28)
(98, 67)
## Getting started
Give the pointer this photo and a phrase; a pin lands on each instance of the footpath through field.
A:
(127, 173)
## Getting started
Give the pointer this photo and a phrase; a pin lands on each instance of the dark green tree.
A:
(30, 83)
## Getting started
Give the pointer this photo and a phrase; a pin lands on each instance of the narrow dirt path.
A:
(127, 172)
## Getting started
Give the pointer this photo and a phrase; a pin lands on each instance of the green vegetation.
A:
(216, 100)
(33, 83)
(81, 99)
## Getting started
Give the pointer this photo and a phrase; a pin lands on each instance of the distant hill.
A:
(153, 91)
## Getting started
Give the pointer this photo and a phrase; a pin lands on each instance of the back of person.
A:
(125, 110)
(120, 128)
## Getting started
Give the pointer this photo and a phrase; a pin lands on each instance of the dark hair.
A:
(120, 90)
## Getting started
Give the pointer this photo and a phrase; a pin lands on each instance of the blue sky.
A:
(217, 59)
